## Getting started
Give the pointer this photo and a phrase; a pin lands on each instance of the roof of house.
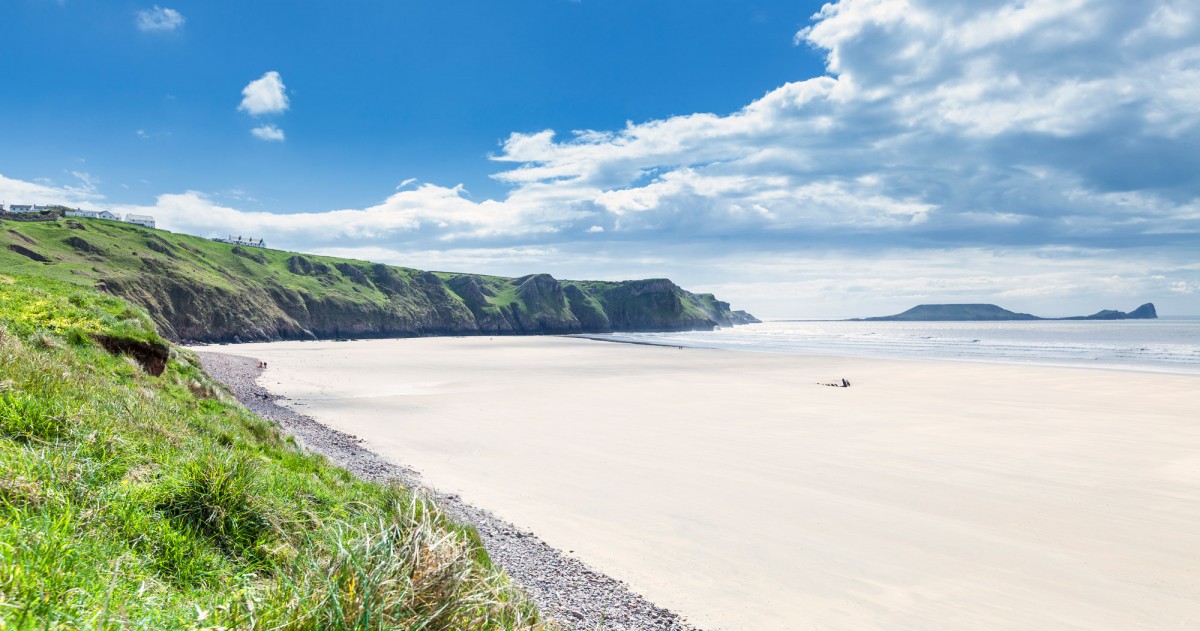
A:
(132, 217)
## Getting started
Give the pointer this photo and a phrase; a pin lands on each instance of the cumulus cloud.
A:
(937, 121)
(429, 213)
(159, 19)
(265, 95)
(268, 132)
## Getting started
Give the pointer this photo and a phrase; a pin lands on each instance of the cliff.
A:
(982, 312)
(203, 291)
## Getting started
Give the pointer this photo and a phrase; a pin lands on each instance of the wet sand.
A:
(732, 488)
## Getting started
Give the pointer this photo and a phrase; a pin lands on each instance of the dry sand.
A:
(733, 489)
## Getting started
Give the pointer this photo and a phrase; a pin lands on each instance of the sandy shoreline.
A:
(731, 488)
(575, 595)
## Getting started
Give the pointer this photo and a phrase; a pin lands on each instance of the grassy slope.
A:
(264, 294)
(124, 249)
(134, 501)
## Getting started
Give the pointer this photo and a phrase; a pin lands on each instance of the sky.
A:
(798, 159)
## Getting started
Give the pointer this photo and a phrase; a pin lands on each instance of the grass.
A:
(133, 501)
(86, 251)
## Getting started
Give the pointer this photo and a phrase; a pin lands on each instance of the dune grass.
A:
(130, 501)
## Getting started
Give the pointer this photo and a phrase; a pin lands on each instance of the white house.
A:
(93, 214)
(145, 221)
(26, 208)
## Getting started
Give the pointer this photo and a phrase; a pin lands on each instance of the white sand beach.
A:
(732, 488)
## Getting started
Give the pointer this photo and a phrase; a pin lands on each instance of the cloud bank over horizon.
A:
(1037, 150)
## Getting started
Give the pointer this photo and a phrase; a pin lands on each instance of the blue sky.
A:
(798, 159)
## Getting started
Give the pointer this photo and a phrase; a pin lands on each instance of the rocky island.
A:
(987, 312)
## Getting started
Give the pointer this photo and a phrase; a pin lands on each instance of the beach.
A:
(733, 488)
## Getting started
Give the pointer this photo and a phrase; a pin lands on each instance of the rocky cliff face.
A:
(427, 304)
(198, 290)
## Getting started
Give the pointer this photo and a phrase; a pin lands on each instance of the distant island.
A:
(989, 313)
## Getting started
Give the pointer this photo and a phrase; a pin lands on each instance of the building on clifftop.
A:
(93, 214)
(145, 221)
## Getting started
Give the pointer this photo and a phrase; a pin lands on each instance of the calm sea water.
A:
(1165, 345)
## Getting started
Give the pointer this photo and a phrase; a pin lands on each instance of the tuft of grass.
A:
(216, 495)
(405, 571)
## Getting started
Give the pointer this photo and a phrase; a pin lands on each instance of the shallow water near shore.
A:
(1165, 345)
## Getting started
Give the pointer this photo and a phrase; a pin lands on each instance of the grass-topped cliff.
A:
(135, 493)
(199, 290)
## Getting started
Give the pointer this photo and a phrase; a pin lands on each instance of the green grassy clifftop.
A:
(199, 290)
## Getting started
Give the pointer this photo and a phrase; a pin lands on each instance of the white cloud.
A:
(937, 117)
(159, 19)
(265, 95)
(430, 213)
(268, 132)
(88, 183)
(13, 191)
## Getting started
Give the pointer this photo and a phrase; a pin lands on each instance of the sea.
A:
(1165, 345)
